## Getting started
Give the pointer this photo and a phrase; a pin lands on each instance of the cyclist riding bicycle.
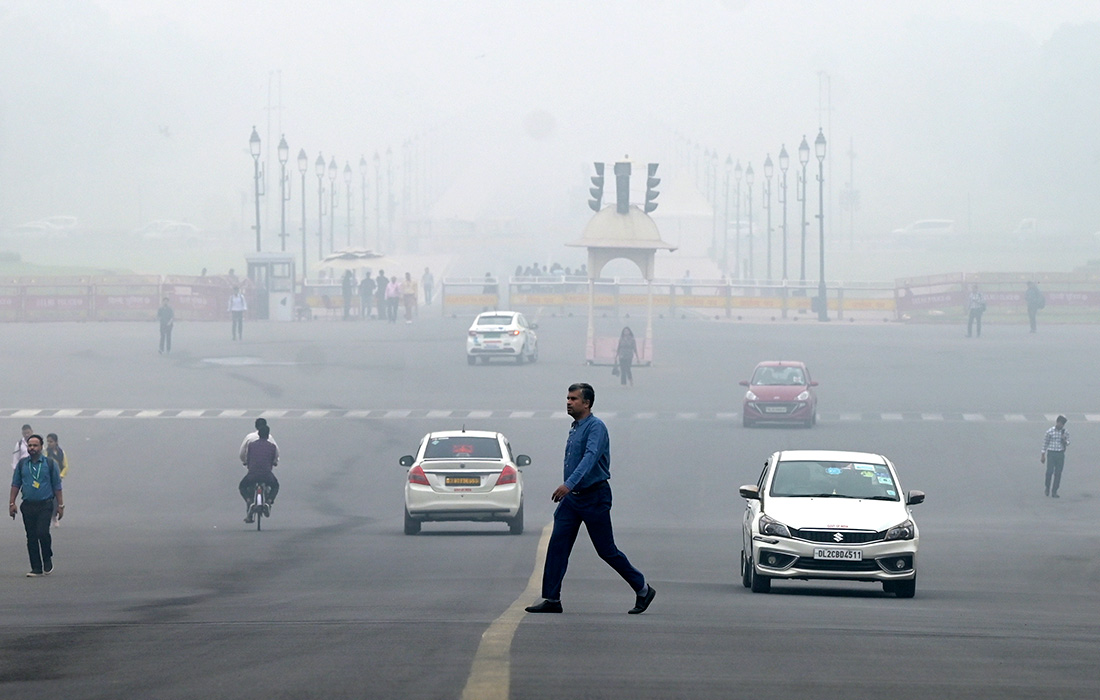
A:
(261, 456)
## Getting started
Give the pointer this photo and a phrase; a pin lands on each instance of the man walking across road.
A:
(1055, 443)
(585, 497)
(38, 478)
(237, 306)
(1035, 301)
(167, 318)
(20, 450)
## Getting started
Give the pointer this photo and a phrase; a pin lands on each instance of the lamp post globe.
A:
(819, 151)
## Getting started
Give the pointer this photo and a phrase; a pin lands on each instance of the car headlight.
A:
(749, 396)
(903, 531)
(804, 396)
(770, 526)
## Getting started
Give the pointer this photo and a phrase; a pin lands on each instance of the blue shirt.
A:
(587, 453)
(37, 479)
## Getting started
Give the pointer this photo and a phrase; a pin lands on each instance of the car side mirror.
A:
(813, 383)
(914, 497)
(744, 382)
(406, 461)
(750, 492)
(522, 460)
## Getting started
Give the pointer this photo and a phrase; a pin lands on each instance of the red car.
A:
(780, 392)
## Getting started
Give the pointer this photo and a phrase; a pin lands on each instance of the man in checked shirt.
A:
(1055, 443)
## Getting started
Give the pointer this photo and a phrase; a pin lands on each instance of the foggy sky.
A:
(121, 111)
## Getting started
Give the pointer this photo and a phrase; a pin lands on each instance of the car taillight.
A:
(515, 332)
(417, 476)
(508, 475)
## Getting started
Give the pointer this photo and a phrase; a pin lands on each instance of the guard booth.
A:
(272, 280)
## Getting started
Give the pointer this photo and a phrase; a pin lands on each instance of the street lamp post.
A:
(363, 194)
(768, 170)
(749, 177)
(819, 151)
(737, 172)
(332, 204)
(803, 158)
(303, 163)
(378, 199)
(347, 189)
(784, 163)
(726, 220)
(319, 166)
(284, 190)
(389, 195)
(257, 174)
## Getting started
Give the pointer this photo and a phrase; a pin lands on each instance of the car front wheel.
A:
(759, 582)
(746, 571)
(906, 589)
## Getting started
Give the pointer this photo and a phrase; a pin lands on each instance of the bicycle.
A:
(260, 507)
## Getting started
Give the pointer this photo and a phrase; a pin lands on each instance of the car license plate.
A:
(775, 409)
(838, 554)
(463, 481)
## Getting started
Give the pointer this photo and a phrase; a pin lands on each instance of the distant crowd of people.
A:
(382, 297)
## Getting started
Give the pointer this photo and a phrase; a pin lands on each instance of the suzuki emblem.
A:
(838, 536)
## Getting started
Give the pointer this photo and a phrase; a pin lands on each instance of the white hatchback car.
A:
(823, 514)
(467, 475)
(502, 334)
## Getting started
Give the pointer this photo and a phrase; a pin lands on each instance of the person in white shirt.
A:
(20, 450)
(237, 307)
(253, 437)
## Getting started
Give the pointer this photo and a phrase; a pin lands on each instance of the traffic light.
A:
(650, 192)
(596, 203)
(622, 187)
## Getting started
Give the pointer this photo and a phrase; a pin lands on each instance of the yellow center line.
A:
(491, 673)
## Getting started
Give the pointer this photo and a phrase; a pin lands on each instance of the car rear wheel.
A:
(759, 583)
(515, 525)
(522, 355)
(412, 525)
(746, 571)
(484, 359)
(906, 589)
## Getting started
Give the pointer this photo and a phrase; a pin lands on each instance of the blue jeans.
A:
(594, 510)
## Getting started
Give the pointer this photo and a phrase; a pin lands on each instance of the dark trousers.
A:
(594, 510)
(36, 521)
(1032, 312)
(975, 315)
(1055, 462)
(364, 307)
(166, 338)
(391, 308)
(238, 325)
(624, 370)
(247, 486)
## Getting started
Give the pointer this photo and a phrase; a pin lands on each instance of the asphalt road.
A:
(161, 591)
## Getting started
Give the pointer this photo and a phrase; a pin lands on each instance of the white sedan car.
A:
(823, 514)
(502, 334)
(467, 475)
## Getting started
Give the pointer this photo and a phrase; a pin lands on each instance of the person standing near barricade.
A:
(625, 353)
(347, 289)
(427, 281)
(393, 298)
(380, 284)
(237, 306)
(1035, 301)
(167, 318)
(975, 307)
(38, 478)
(1055, 443)
(366, 295)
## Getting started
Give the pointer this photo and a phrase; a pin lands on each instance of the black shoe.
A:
(1054, 495)
(642, 603)
(267, 510)
(33, 574)
(546, 606)
(47, 566)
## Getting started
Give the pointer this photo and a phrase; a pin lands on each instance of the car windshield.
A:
(462, 447)
(494, 320)
(806, 479)
(778, 376)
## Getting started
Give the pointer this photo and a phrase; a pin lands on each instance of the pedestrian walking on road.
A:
(20, 450)
(237, 306)
(167, 318)
(38, 479)
(585, 497)
(975, 307)
(1055, 443)
(428, 283)
(625, 353)
(54, 452)
(1035, 301)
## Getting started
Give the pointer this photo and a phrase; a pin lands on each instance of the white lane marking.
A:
(973, 417)
(109, 413)
(523, 414)
(726, 416)
(491, 672)
(273, 414)
(67, 413)
(316, 414)
(438, 414)
(148, 414)
(358, 413)
(1092, 417)
(26, 413)
(851, 416)
(891, 416)
(480, 414)
(190, 413)
(232, 413)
